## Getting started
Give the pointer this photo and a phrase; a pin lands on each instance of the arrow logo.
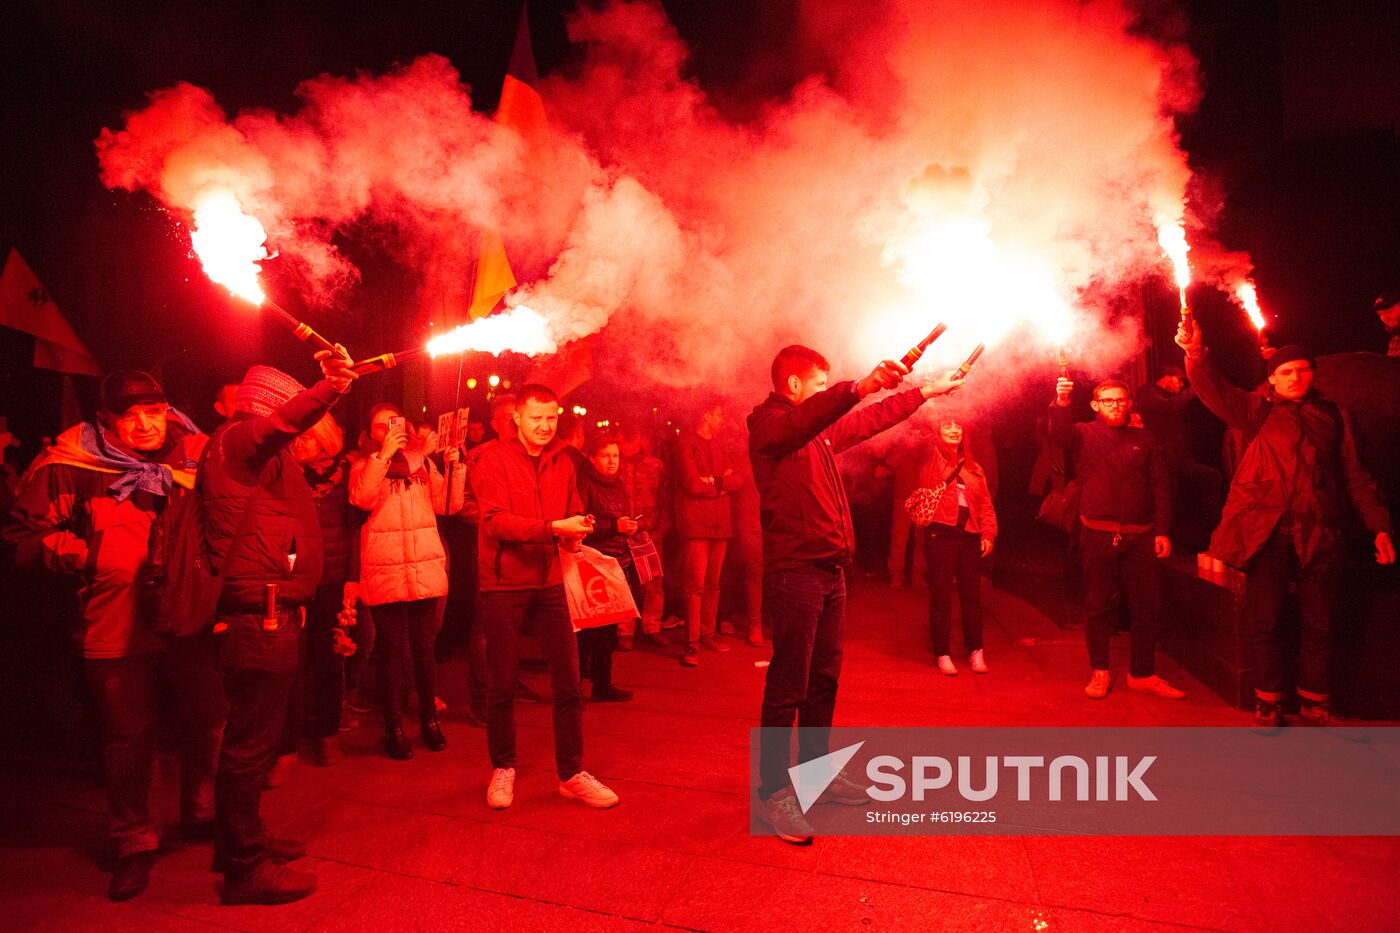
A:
(811, 778)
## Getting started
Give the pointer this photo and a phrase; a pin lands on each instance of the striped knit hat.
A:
(264, 390)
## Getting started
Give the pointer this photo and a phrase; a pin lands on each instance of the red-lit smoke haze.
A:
(979, 164)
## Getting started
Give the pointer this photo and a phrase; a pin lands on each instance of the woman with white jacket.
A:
(403, 564)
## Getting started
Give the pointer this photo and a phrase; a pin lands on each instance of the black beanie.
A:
(121, 390)
(1287, 355)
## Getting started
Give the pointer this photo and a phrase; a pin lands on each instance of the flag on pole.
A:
(25, 306)
(522, 109)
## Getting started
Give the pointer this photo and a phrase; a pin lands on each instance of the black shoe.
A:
(433, 738)
(131, 875)
(396, 743)
(286, 850)
(1268, 717)
(1314, 713)
(524, 693)
(271, 882)
(611, 694)
(655, 640)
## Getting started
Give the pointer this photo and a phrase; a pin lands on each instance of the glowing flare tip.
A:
(1248, 298)
(520, 329)
(229, 244)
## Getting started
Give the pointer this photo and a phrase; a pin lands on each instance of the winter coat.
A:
(68, 522)
(802, 502)
(1163, 415)
(646, 482)
(519, 497)
(1299, 461)
(607, 500)
(340, 522)
(702, 509)
(402, 557)
(1122, 474)
(981, 517)
(251, 450)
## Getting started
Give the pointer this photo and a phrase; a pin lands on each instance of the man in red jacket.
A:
(808, 540)
(527, 495)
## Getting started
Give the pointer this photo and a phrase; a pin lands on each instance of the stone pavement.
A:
(412, 846)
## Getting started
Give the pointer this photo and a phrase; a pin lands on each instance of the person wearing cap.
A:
(1283, 516)
(1195, 487)
(264, 535)
(87, 511)
(1387, 308)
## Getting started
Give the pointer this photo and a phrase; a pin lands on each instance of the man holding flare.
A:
(808, 539)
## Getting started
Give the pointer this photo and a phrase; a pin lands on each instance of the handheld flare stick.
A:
(300, 329)
(1064, 363)
(377, 364)
(966, 367)
(912, 357)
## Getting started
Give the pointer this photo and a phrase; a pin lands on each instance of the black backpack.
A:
(183, 587)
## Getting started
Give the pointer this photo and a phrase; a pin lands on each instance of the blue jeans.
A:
(806, 605)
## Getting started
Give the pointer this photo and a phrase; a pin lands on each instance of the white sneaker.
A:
(946, 665)
(584, 786)
(978, 660)
(500, 793)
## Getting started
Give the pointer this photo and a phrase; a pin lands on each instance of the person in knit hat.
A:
(264, 535)
(87, 512)
(1284, 514)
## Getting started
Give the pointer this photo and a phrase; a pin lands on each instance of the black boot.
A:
(131, 875)
(433, 738)
(395, 742)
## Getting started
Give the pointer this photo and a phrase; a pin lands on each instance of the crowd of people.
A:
(336, 576)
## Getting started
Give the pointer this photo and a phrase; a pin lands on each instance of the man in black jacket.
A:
(1298, 476)
(1125, 511)
(265, 536)
(808, 540)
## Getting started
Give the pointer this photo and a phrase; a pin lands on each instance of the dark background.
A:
(1297, 127)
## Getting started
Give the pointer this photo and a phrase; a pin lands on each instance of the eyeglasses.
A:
(1114, 402)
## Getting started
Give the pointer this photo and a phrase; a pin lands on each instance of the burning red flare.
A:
(229, 244)
(520, 329)
(1248, 298)
(1172, 237)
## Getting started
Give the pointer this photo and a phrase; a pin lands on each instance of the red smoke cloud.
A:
(981, 164)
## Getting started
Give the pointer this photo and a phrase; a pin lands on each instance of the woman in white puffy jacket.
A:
(403, 564)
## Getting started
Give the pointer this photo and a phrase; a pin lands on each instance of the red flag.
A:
(26, 306)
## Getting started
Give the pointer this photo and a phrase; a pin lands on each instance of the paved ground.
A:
(411, 845)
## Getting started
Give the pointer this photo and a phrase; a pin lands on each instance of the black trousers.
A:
(259, 668)
(952, 557)
(1267, 576)
(504, 614)
(1110, 569)
(597, 645)
(127, 696)
(410, 626)
(806, 606)
(595, 654)
(324, 669)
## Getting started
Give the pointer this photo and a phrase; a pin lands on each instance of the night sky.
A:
(1298, 127)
